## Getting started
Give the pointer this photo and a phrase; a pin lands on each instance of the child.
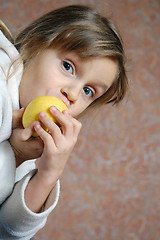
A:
(72, 53)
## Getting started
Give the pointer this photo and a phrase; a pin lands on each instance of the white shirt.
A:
(16, 220)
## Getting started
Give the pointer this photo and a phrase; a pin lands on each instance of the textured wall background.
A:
(110, 189)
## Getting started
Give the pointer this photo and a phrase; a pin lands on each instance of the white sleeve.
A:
(5, 108)
(7, 170)
(16, 220)
(7, 157)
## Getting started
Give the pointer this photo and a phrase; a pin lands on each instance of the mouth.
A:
(65, 100)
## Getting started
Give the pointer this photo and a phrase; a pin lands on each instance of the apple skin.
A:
(41, 104)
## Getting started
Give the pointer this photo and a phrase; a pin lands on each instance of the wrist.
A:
(37, 191)
(46, 179)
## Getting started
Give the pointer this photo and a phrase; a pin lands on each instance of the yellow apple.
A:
(39, 104)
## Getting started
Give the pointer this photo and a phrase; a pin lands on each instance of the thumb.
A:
(16, 117)
(27, 132)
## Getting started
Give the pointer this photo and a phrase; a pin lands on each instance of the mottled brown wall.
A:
(110, 189)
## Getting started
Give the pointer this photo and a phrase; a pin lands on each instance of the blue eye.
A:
(89, 92)
(67, 66)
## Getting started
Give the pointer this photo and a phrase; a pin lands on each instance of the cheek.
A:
(76, 110)
(51, 78)
(44, 73)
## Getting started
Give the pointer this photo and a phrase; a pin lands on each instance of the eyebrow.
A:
(101, 84)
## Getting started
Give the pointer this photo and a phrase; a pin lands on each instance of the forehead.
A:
(104, 69)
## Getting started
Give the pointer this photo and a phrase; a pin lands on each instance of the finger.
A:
(52, 127)
(16, 117)
(46, 137)
(28, 132)
(64, 120)
(77, 127)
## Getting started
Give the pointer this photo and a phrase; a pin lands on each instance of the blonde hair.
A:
(6, 31)
(78, 29)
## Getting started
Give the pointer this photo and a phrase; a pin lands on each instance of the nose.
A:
(71, 92)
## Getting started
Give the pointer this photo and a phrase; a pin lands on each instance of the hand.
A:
(24, 145)
(17, 117)
(58, 143)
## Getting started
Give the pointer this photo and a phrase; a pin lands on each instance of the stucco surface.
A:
(110, 189)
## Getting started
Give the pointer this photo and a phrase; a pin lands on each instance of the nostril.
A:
(68, 100)
(70, 94)
(65, 94)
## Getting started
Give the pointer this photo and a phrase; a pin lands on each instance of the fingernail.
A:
(37, 125)
(66, 113)
(41, 114)
(53, 108)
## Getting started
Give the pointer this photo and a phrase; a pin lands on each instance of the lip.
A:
(65, 100)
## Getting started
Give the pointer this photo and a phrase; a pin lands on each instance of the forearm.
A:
(15, 217)
(37, 191)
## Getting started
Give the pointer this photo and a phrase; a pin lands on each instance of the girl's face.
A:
(77, 82)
